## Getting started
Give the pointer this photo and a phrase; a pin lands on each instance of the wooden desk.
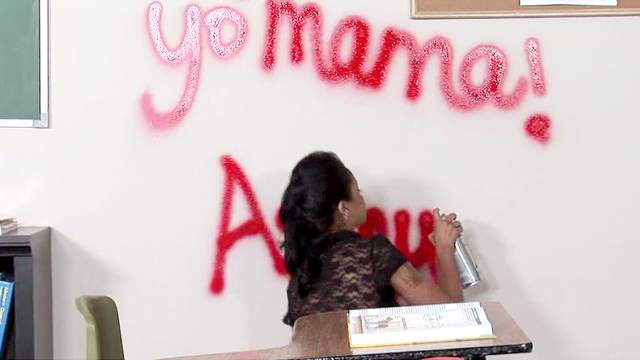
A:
(324, 336)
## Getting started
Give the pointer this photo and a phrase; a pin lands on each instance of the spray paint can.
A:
(467, 268)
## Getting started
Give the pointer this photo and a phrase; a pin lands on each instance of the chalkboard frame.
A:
(43, 120)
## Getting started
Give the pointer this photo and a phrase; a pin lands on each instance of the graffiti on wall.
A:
(367, 66)
(190, 51)
(306, 22)
(237, 187)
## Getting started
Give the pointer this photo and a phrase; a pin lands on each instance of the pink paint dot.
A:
(538, 126)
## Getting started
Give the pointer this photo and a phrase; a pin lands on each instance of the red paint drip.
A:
(538, 126)
(256, 225)
(426, 252)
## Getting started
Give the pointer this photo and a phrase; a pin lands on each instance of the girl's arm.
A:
(417, 288)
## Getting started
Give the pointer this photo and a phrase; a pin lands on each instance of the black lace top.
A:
(356, 273)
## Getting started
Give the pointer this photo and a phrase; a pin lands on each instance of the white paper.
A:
(418, 324)
(569, 2)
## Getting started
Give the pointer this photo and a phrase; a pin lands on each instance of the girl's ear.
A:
(343, 208)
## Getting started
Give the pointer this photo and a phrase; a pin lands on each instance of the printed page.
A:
(429, 320)
(421, 317)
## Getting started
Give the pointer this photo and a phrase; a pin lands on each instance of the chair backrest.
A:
(104, 341)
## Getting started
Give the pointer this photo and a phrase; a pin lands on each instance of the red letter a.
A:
(253, 226)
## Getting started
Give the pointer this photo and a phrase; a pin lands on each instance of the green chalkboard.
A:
(20, 78)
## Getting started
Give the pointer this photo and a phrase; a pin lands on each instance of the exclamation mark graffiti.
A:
(537, 126)
(535, 67)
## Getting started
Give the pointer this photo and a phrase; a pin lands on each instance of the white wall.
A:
(135, 212)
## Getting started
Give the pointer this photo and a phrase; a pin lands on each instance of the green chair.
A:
(104, 341)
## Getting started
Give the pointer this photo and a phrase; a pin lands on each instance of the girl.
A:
(332, 267)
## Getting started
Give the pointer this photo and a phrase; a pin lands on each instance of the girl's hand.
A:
(446, 230)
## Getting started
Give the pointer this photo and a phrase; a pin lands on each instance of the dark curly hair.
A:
(318, 183)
